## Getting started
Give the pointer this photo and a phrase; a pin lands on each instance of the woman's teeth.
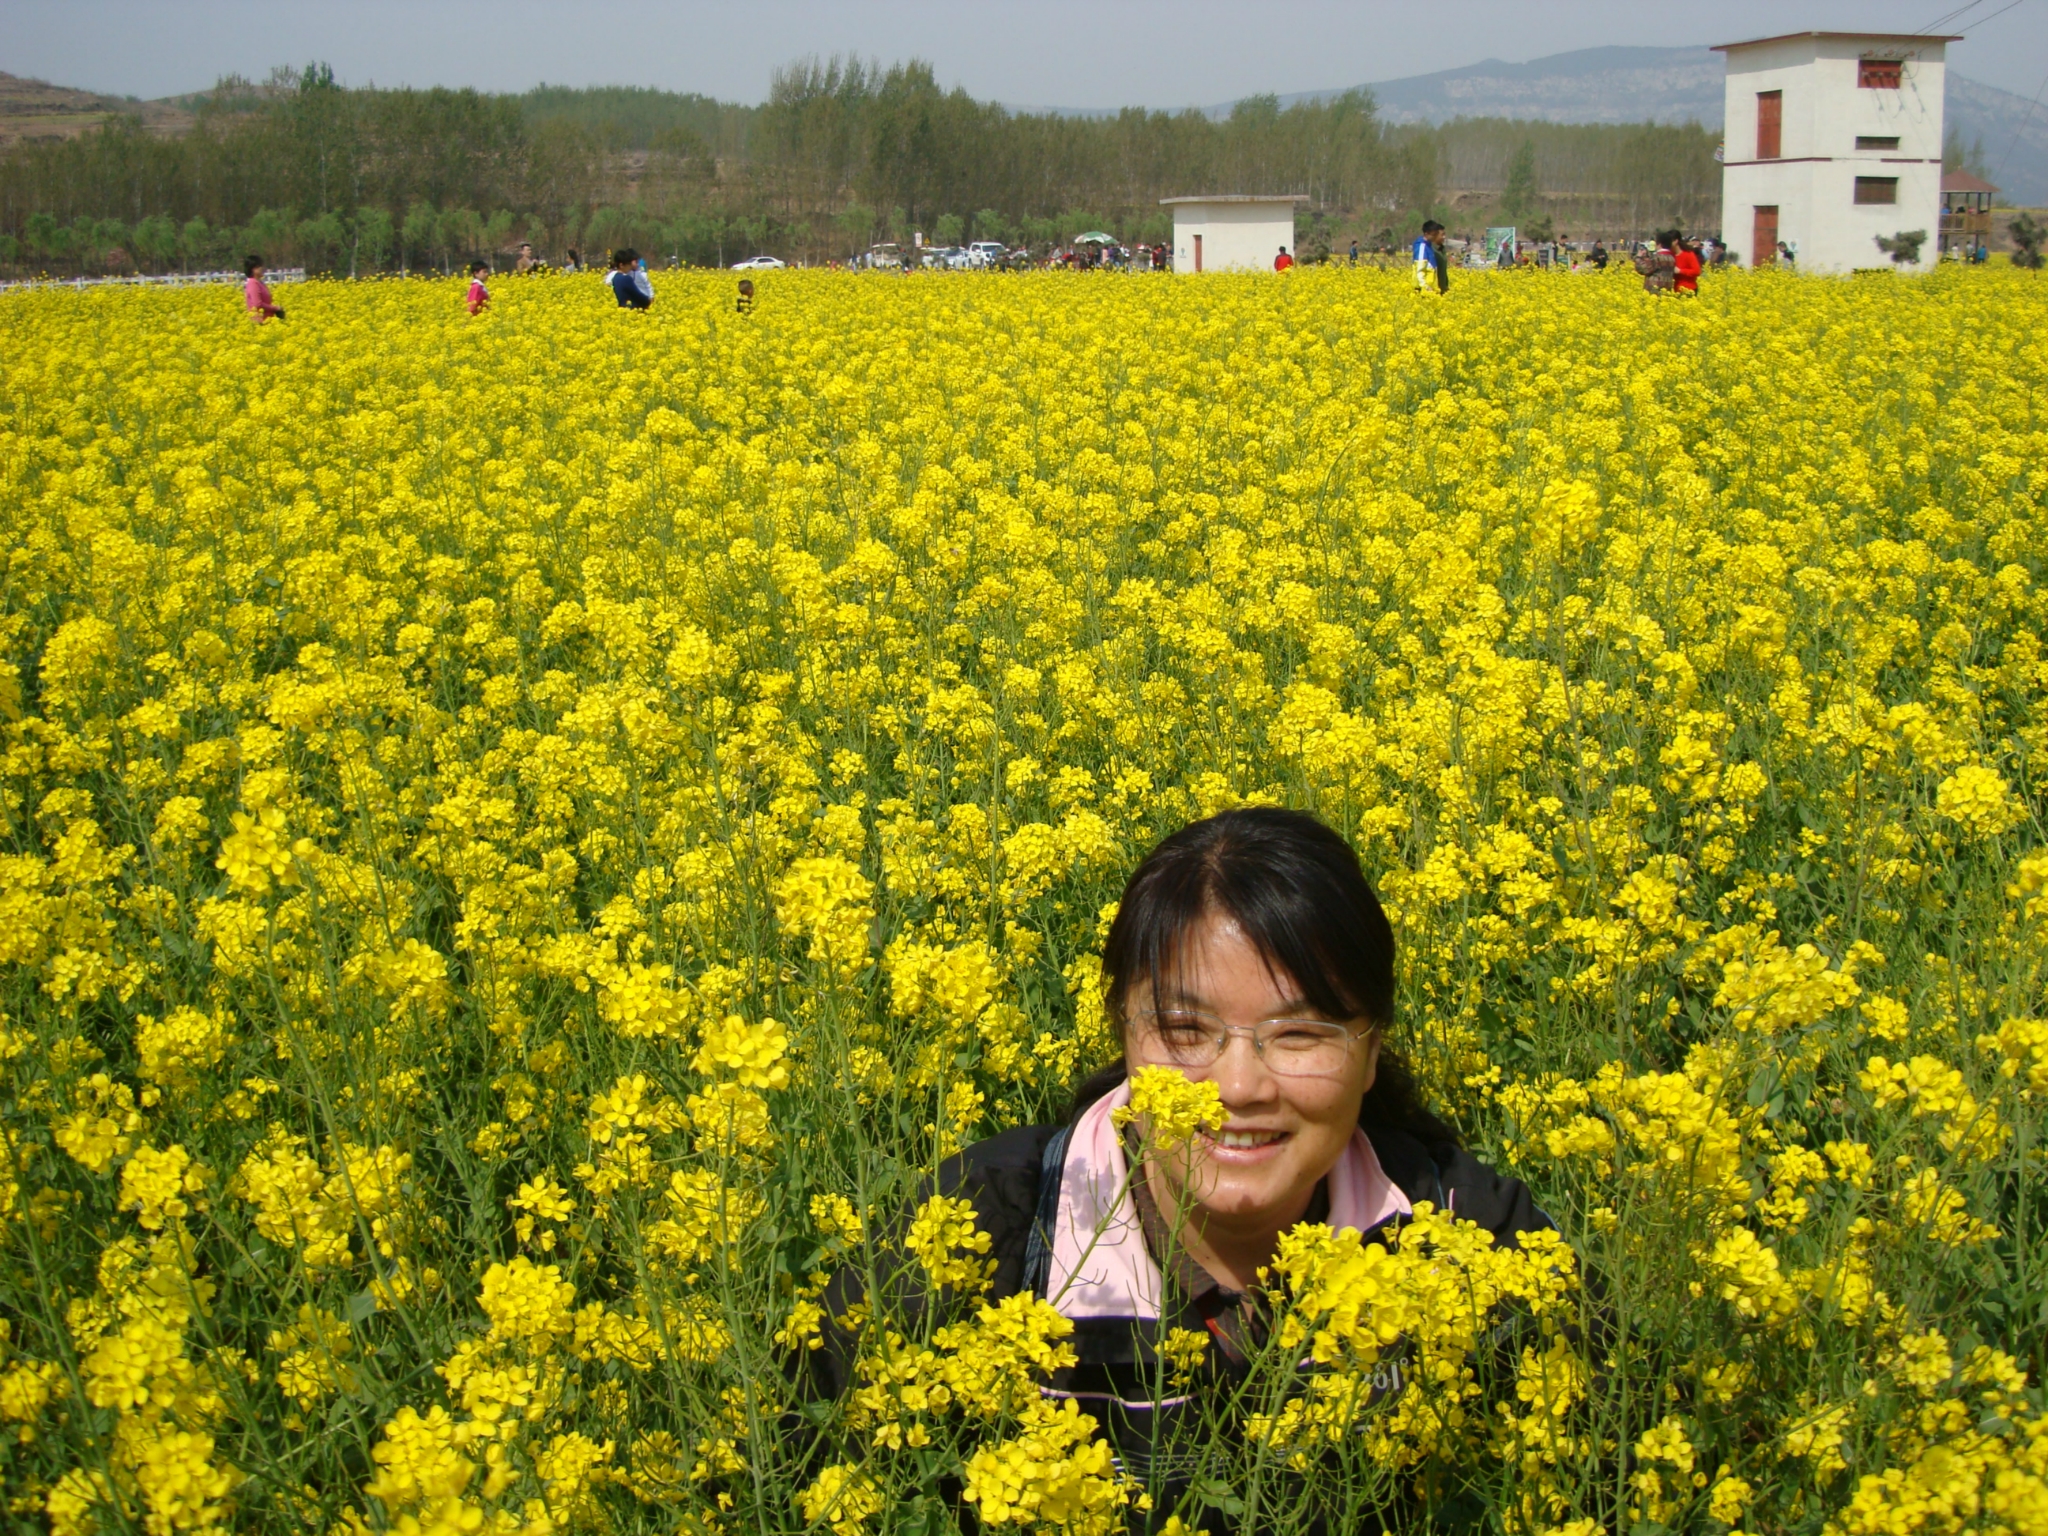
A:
(1245, 1140)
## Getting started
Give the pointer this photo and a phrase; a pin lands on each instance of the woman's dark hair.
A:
(250, 263)
(1294, 887)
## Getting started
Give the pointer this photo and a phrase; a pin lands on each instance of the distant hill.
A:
(1677, 85)
(2014, 133)
(35, 109)
(1591, 85)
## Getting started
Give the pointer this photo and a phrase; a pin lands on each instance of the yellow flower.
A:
(842, 1497)
(948, 1245)
(1979, 799)
(1171, 1107)
(528, 1302)
(753, 1053)
(1055, 1474)
(155, 1182)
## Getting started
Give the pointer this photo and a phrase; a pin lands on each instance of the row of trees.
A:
(1625, 179)
(842, 153)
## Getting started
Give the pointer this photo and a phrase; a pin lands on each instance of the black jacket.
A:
(1013, 1182)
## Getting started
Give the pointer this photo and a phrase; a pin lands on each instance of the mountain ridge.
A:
(1676, 85)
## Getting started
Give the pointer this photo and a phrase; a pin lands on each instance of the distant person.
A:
(256, 293)
(1657, 265)
(1685, 267)
(746, 305)
(1427, 254)
(1354, 253)
(1283, 261)
(479, 298)
(525, 263)
(1787, 255)
(574, 263)
(1599, 258)
(629, 285)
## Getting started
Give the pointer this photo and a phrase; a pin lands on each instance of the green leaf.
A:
(1214, 1493)
(1762, 1084)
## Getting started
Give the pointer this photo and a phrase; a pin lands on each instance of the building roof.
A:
(1873, 37)
(1242, 197)
(1963, 181)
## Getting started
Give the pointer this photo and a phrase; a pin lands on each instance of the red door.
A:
(1764, 236)
(1770, 124)
(1198, 253)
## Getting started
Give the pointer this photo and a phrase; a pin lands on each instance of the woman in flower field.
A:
(256, 296)
(1250, 975)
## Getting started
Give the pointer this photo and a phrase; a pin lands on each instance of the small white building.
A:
(1833, 139)
(1235, 232)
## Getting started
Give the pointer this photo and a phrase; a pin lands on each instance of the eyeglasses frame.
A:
(1221, 1034)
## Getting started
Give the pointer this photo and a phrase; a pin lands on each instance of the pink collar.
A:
(1100, 1264)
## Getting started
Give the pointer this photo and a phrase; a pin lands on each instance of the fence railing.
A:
(167, 280)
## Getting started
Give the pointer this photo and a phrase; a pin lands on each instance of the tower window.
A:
(1877, 189)
(1880, 74)
(1876, 141)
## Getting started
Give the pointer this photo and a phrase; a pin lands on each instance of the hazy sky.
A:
(1072, 53)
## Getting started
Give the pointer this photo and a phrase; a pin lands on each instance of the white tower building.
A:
(1833, 139)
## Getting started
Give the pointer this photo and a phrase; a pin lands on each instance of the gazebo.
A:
(1965, 211)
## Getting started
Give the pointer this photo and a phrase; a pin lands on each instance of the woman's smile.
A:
(1239, 1147)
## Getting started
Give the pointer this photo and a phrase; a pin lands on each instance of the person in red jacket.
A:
(1283, 261)
(1685, 267)
(479, 296)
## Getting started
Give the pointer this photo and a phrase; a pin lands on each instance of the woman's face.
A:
(1284, 1133)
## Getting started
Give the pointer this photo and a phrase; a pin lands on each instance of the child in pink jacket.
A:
(479, 295)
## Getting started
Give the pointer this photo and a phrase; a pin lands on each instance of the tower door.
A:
(1770, 124)
(1764, 236)
(1198, 253)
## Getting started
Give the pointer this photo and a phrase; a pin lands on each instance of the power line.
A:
(1994, 15)
(2015, 144)
(1952, 16)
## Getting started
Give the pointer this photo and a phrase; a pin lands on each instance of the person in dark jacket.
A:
(1248, 951)
(629, 285)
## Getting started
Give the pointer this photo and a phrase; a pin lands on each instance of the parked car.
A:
(985, 254)
(757, 264)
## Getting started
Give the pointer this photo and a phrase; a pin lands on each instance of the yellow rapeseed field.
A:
(528, 837)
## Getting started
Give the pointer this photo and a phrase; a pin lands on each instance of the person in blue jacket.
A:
(1428, 253)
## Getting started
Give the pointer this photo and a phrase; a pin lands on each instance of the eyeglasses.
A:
(1191, 1039)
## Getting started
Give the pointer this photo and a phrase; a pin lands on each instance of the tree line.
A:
(844, 152)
